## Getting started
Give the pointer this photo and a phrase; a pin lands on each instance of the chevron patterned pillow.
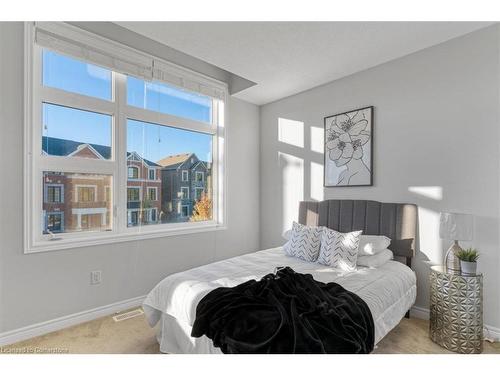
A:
(304, 242)
(339, 250)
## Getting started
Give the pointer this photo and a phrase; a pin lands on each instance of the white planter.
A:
(468, 267)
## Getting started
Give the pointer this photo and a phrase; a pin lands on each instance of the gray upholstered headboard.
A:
(398, 221)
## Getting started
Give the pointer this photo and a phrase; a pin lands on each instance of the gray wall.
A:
(436, 144)
(38, 287)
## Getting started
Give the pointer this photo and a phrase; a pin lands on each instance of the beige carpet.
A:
(135, 336)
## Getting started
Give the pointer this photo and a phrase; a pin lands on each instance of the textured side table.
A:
(456, 310)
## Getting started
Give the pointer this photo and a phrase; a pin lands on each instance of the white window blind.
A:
(86, 46)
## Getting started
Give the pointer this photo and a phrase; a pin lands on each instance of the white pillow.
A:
(339, 250)
(287, 234)
(377, 260)
(304, 242)
(370, 244)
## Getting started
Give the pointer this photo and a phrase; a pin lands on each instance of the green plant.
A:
(468, 255)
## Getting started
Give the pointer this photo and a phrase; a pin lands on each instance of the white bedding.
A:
(389, 292)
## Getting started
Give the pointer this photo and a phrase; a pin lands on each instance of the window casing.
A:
(152, 174)
(200, 176)
(185, 176)
(133, 173)
(115, 165)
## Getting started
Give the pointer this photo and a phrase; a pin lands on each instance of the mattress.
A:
(389, 292)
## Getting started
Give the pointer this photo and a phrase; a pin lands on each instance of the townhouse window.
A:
(152, 174)
(54, 193)
(133, 173)
(100, 118)
(200, 176)
(133, 194)
(198, 193)
(184, 192)
(185, 211)
(152, 194)
(54, 222)
(86, 193)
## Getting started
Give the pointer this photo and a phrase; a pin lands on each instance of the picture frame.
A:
(348, 148)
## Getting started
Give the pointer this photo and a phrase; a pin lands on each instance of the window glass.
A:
(164, 98)
(75, 133)
(133, 194)
(85, 206)
(133, 172)
(176, 153)
(72, 75)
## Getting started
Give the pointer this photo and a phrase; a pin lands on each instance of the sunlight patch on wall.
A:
(317, 192)
(291, 132)
(317, 139)
(292, 169)
(428, 228)
(433, 192)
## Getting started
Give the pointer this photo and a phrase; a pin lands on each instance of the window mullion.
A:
(120, 142)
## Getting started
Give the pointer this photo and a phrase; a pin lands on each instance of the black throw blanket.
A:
(286, 312)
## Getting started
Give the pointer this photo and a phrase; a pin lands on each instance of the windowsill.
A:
(103, 238)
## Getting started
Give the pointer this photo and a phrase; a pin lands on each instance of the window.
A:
(133, 173)
(200, 176)
(86, 193)
(198, 192)
(152, 174)
(164, 98)
(133, 194)
(184, 192)
(132, 218)
(64, 73)
(54, 193)
(152, 194)
(54, 223)
(107, 128)
(85, 209)
(73, 132)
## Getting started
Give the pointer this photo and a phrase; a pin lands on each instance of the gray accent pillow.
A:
(304, 242)
(339, 250)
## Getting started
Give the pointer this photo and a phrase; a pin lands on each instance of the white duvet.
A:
(389, 292)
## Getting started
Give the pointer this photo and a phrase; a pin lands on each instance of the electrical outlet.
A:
(95, 277)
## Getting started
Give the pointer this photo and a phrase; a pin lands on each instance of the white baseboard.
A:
(38, 329)
(490, 332)
(419, 313)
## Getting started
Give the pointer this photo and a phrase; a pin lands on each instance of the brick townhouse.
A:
(76, 201)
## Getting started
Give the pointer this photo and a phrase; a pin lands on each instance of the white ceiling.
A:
(287, 58)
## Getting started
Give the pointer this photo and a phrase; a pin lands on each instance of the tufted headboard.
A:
(398, 221)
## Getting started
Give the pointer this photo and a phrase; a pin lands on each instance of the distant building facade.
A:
(185, 179)
(78, 201)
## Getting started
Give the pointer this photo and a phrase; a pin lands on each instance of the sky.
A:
(151, 141)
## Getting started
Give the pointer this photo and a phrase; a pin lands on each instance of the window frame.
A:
(46, 193)
(183, 195)
(129, 167)
(116, 167)
(148, 194)
(186, 173)
(196, 173)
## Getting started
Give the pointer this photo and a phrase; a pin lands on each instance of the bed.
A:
(389, 290)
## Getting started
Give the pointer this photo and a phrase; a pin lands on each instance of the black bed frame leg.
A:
(407, 315)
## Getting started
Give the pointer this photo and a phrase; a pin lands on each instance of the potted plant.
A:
(468, 260)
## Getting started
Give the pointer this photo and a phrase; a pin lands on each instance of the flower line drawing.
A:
(346, 137)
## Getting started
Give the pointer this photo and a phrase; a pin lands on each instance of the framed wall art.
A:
(349, 148)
